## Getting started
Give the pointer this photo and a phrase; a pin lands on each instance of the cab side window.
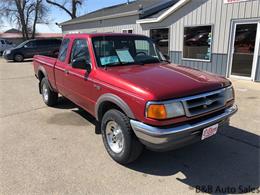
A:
(80, 50)
(63, 50)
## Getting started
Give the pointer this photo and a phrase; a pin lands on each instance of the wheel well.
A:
(40, 75)
(105, 106)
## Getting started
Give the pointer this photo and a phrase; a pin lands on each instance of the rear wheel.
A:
(49, 97)
(119, 139)
(18, 57)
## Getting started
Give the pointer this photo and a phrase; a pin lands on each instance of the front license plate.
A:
(209, 131)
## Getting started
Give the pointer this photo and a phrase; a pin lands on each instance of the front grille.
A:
(203, 103)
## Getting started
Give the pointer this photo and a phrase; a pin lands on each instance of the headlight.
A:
(164, 111)
(229, 94)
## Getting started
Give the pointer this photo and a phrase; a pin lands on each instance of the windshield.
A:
(125, 50)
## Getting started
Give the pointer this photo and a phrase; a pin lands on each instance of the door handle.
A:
(66, 71)
(97, 87)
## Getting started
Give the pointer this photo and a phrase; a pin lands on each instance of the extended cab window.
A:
(80, 50)
(63, 50)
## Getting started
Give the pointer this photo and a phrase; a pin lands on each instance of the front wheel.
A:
(18, 57)
(119, 140)
(49, 97)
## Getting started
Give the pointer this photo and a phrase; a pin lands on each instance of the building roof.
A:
(92, 35)
(157, 9)
(13, 30)
(159, 16)
(143, 8)
(38, 35)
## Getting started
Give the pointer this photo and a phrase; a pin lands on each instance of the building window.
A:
(197, 42)
(130, 31)
(161, 38)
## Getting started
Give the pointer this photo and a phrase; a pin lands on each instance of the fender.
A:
(42, 69)
(109, 97)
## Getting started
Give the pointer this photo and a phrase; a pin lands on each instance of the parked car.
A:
(137, 98)
(27, 49)
(5, 44)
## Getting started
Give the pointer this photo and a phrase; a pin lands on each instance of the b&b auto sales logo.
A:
(225, 189)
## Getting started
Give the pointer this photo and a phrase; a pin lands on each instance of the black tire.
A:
(49, 97)
(18, 58)
(132, 148)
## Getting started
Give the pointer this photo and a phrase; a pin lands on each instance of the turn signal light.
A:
(156, 111)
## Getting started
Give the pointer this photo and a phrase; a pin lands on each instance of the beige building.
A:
(219, 36)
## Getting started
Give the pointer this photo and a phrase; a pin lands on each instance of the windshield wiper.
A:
(139, 63)
(166, 61)
(148, 62)
(113, 64)
(123, 63)
(132, 63)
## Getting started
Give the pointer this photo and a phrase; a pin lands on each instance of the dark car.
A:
(27, 49)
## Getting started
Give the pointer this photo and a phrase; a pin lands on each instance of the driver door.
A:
(78, 82)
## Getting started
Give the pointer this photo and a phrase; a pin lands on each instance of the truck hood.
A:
(165, 81)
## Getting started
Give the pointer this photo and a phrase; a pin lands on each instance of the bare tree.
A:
(1, 18)
(40, 15)
(69, 6)
(25, 14)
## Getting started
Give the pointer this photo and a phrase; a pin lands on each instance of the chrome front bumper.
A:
(159, 138)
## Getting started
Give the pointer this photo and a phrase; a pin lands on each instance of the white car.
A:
(5, 44)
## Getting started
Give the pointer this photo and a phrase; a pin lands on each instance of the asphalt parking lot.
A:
(56, 151)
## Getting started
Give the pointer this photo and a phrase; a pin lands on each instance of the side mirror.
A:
(88, 67)
(81, 64)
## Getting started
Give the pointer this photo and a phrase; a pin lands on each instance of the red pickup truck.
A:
(138, 98)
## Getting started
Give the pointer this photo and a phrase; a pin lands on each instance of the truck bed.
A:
(46, 65)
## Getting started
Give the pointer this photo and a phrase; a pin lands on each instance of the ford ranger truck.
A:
(137, 97)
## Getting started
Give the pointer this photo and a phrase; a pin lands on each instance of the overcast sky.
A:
(56, 15)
